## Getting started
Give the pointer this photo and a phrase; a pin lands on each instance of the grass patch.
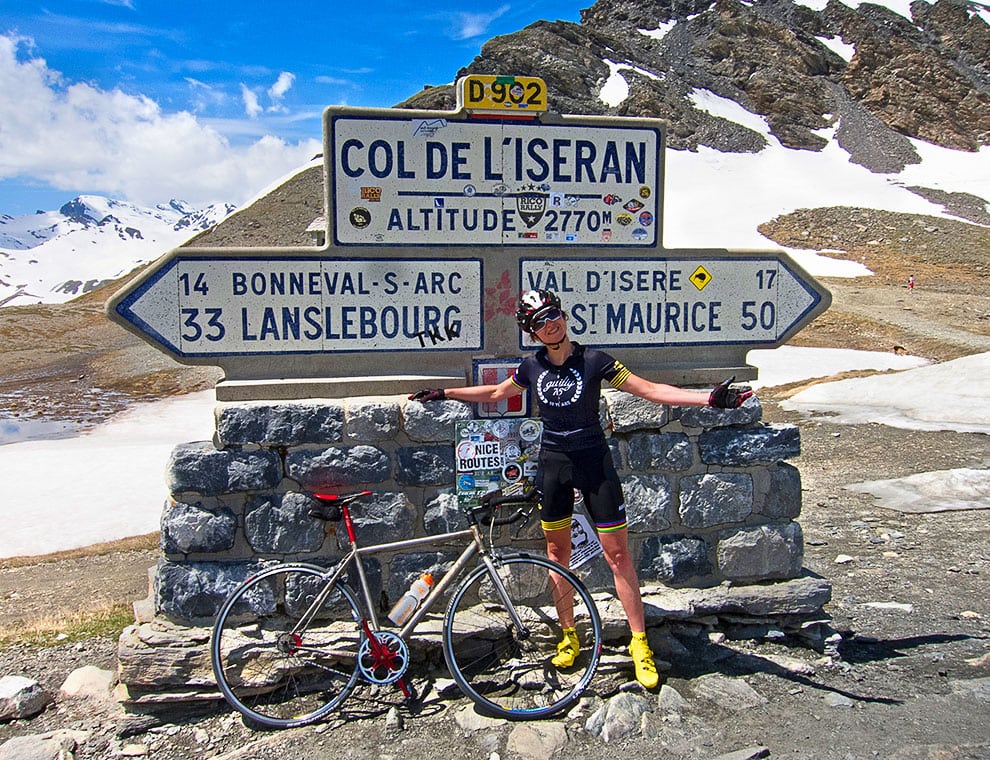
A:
(132, 544)
(68, 627)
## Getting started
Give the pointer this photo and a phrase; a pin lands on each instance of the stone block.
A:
(443, 515)
(434, 420)
(194, 528)
(660, 451)
(424, 465)
(674, 560)
(739, 447)
(337, 466)
(385, 517)
(783, 500)
(709, 417)
(279, 524)
(648, 502)
(765, 552)
(627, 412)
(800, 596)
(196, 590)
(718, 498)
(272, 425)
(371, 420)
(200, 468)
(158, 655)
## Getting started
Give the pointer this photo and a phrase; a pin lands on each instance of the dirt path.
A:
(928, 316)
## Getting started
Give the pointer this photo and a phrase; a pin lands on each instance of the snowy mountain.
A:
(55, 256)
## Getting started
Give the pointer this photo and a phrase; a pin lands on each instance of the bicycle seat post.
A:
(349, 524)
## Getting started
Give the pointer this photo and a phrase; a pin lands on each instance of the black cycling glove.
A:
(428, 394)
(724, 397)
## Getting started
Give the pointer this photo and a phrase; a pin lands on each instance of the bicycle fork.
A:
(503, 595)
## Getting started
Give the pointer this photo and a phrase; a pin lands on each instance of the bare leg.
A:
(616, 547)
(559, 550)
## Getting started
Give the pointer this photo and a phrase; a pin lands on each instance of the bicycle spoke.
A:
(508, 670)
(270, 669)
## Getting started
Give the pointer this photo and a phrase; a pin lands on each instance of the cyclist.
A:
(565, 378)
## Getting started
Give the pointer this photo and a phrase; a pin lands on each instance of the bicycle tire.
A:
(508, 676)
(273, 675)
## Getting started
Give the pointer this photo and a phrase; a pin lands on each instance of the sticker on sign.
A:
(501, 93)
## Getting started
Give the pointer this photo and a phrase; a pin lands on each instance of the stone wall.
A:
(709, 496)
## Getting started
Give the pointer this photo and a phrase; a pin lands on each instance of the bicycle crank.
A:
(383, 657)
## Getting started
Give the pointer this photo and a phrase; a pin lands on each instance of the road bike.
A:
(294, 640)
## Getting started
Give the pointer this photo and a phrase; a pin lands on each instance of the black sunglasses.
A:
(551, 316)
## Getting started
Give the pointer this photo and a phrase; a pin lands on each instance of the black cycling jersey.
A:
(568, 395)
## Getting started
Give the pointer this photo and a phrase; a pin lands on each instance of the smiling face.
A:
(550, 327)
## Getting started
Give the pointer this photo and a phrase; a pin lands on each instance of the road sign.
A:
(754, 299)
(217, 306)
(502, 94)
(435, 222)
(398, 180)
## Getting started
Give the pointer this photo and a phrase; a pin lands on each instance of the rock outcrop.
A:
(877, 76)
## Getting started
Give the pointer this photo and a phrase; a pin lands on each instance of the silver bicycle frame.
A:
(475, 546)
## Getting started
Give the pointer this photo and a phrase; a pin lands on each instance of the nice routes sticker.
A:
(496, 454)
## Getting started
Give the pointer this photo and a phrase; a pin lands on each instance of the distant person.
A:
(566, 379)
(911, 283)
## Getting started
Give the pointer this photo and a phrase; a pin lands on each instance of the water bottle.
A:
(410, 600)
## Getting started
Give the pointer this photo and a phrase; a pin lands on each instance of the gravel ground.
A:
(912, 672)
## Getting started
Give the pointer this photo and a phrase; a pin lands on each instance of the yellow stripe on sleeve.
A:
(621, 374)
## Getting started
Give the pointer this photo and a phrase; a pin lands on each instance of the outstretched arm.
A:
(471, 393)
(661, 393)
(479, 393)
(722, 396)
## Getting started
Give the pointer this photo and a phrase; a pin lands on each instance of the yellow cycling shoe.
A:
(642, 657)
(567, 649)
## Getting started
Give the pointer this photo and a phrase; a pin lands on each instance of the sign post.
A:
(435, 222)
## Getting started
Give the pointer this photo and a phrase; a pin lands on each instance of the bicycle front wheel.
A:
(272, 667)
(502, 658)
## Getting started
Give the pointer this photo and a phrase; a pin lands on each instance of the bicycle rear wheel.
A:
(275, 671)
(506, 670)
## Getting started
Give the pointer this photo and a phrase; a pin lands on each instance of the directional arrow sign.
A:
(692, 298)
(222, 306)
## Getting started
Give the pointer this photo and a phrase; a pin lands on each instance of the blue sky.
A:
(145, 101)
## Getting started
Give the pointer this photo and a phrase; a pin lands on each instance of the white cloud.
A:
(282, 85)
(251, 105)
(470, 25)
(75, 135)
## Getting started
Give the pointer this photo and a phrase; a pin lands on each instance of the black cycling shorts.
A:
(590, 471)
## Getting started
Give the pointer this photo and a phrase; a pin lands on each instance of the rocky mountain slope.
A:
(876, 75)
